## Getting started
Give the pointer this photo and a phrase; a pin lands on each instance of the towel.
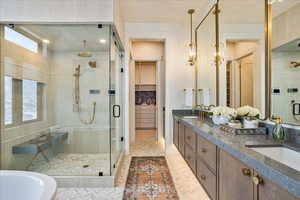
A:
(188, 102)
(206, 96)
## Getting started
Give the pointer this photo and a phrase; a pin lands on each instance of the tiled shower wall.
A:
(96, 134)
(56, 71)
(284, 77)
(24, 64)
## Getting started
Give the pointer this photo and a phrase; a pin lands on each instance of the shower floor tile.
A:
(65, 164)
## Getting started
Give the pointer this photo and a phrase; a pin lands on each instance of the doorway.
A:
(240, 73)
(147, 83)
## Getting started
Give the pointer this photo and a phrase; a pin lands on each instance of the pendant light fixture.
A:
(192, 53)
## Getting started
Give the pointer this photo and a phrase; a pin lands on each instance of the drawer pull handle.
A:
(257, 180)
(203, 177)
(203, 150)
(188, 137)
(246, 172)
(188, 157)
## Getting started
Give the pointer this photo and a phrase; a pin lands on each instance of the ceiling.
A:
(175, 11)
(291, 46)
(280, 7)
(70, 37)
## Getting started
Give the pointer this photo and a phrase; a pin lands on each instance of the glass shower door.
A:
(116, 119)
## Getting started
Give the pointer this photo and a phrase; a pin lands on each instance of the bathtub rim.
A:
(49, 183)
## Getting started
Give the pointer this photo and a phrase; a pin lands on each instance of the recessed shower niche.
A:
(65, 78)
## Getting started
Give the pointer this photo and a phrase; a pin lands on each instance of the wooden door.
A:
(267, 190)
(246, 70)
(235, 181)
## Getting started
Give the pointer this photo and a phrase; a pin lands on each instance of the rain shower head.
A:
(85, 53)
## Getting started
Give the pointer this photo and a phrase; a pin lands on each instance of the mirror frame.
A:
(268, 59)
(213, 8)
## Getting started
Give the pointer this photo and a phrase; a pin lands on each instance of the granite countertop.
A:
(281, 174)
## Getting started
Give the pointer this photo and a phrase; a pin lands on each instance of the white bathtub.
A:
(20, 185)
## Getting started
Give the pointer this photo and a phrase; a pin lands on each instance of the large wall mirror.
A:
(242, 50)
(206, 40)
(285, 71)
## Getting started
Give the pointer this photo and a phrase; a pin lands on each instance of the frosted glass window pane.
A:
(29, 100)
(8, 100)
(19, 39)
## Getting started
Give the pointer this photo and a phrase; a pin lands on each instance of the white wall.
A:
(179, 74)
(286, 27)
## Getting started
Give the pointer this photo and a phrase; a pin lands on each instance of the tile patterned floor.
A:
(145, 145)
(66, 164)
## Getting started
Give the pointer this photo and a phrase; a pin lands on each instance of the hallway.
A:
(186, 184)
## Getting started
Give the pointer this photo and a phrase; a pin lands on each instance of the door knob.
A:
(246, 172)
(257, 180)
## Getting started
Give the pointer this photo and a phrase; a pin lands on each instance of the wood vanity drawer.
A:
(176, 133)
(207, 152)
(190, 138)
(181, 133)
(207, 179)
(190, 157)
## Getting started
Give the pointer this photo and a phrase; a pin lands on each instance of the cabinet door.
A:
(267, 190)
(235, 181)
(175, 131)
(148, 73)
(181, 133)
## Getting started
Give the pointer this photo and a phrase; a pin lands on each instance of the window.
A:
(8, 107)
(23, 101)
(19, 39)
(29, 100)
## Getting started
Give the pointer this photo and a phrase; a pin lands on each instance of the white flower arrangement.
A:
(224, 111)
(248, 111)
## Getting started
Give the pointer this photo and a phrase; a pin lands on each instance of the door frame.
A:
(159, 106)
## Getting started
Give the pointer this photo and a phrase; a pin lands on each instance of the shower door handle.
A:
(114, 111)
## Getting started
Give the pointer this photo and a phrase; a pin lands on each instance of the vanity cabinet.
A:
(238, 181)
(190, 148)
(235, 182)
(181, 133)
(265, 189)
(176, 132)
(207, 179)
(222, 175)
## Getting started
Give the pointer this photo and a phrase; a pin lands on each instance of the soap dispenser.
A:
(278, 131)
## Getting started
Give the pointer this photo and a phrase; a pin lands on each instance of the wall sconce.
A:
(219, 56)
(192, 51)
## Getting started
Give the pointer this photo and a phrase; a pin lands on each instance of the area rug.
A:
(149, 179)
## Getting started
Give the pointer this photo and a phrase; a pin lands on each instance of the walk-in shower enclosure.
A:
(61, 105)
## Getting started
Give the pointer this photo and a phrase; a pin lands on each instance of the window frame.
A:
(26, 36)
(17, 103)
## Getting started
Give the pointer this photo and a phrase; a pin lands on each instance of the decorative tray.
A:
(244, 131)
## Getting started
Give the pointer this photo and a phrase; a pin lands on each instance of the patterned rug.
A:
(149, 179)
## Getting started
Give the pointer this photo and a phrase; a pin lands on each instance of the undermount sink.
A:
(190, 117)
(281, 154)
